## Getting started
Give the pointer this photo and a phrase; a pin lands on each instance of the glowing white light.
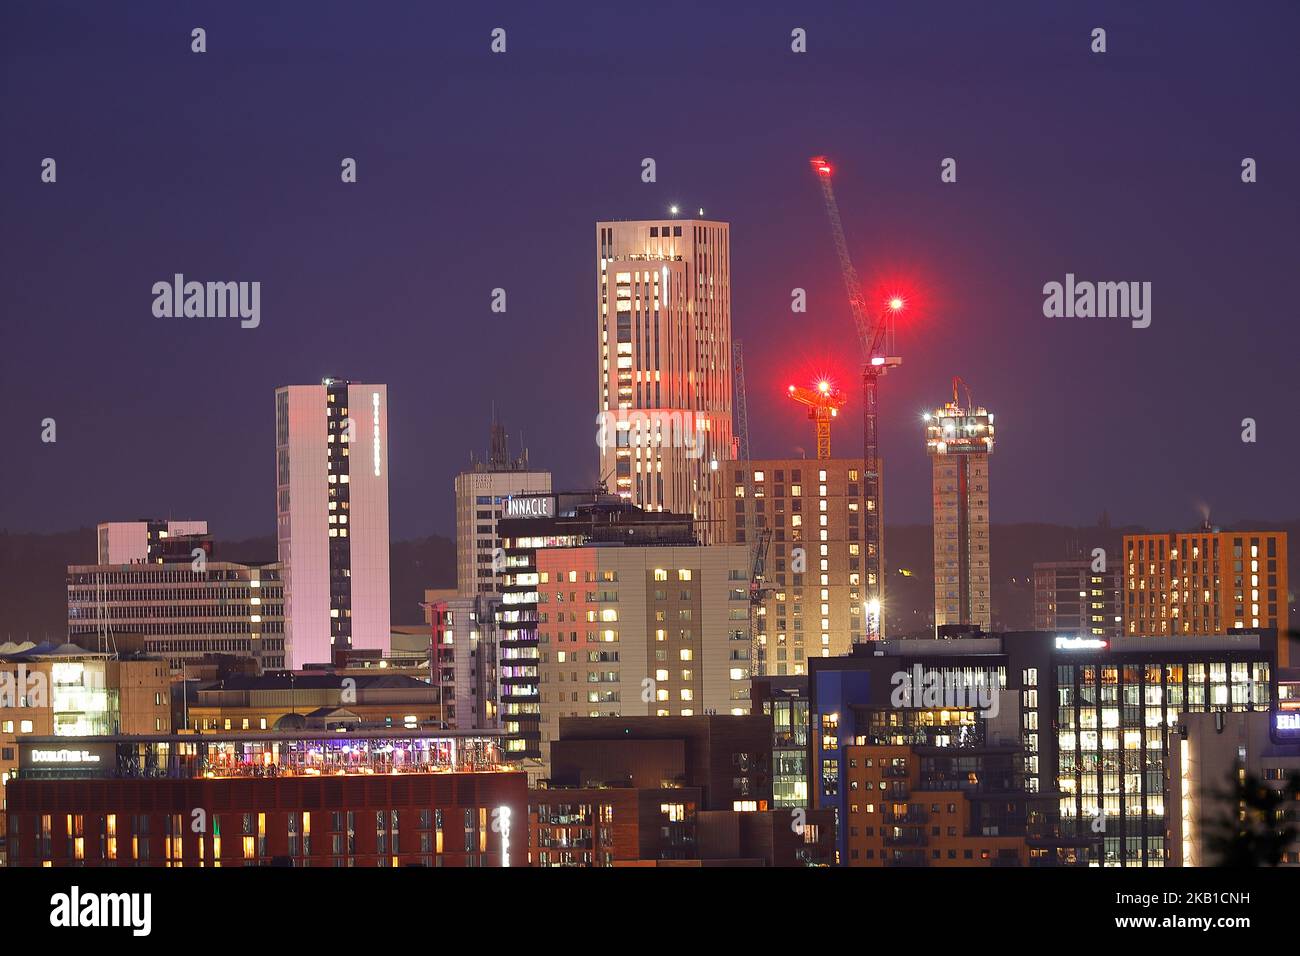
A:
(374, 403)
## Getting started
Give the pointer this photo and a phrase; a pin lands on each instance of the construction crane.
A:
(873, 331)
(762, 538)
(824, 402)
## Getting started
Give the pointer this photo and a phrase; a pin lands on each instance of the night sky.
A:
(479, 171)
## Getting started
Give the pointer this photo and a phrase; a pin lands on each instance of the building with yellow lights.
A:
(1206, 582)
(816, 572)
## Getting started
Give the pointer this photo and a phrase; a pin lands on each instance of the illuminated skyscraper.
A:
(332, 517)
(663, 307)
(960, 439)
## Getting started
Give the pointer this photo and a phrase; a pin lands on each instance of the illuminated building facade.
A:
(1091, 723)
(631, 631)
(785, 701)
(367, 799)
(332, 517)
(1070, 597)
(1206, 582)
(815, 564)
(181, 612)
(146, 541)
(65, 692)
(563, 520)
(959, 440)
(663, 306)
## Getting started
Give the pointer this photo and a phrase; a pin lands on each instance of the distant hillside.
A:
(33, 576)
(33, 596)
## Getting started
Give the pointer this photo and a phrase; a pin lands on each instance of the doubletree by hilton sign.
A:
(531, 506)
(81, 755)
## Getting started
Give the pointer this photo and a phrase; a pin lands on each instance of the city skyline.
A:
(1021, 214)
(600, 537)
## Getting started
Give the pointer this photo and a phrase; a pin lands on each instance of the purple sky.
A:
(479, 170)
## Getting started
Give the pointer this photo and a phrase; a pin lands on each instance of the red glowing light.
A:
(896, 303)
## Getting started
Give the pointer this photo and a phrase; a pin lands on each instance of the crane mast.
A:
(762, 537)
(871, 338)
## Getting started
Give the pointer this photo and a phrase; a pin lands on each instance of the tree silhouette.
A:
(1249, 828)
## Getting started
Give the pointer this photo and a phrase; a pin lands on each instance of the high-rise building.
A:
(959, 440)
(663, 305)
(815, 605)
(1071, 596)
(147, 540)
(481, 493)
(181, 612)
(609, 609)
(332, 511)
(629, 631)
(1206, 582)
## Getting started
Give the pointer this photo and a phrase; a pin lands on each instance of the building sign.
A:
(64, 756)
(1288, 723)
(51, 755)
(534, 506)
(1079, 643)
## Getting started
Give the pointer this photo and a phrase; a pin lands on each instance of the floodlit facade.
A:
(135, 542)
(815, 563)
(664, 415)
(332, 517)
(959, 440)
(655, 631)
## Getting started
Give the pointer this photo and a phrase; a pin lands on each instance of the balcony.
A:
(907, 858)
(907, 837)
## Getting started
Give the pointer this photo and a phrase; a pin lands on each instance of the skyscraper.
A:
(814, 603)
(960, 439)
(663, 306)
(481, 493)
(332, 510)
